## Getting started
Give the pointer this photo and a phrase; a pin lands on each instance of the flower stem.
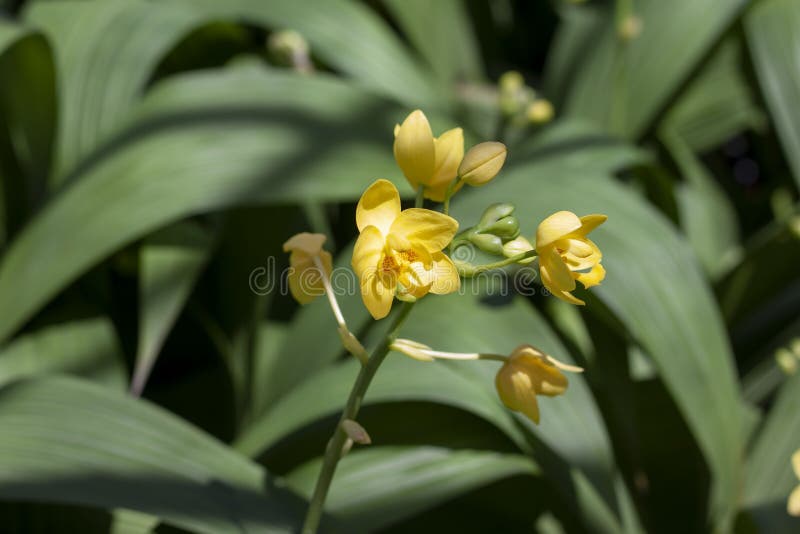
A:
(449, 193)
(335, 448)
(469, 271)
(420, 200)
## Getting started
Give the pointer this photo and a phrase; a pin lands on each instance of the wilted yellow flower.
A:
(425, 160)
(529, 372)
(482, 163)
(400, 252)
(566, 254)
(305, 279)
(793, 505)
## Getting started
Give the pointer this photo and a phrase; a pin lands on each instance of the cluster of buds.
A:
(519, 102)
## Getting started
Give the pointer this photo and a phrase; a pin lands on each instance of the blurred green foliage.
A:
(154, 155)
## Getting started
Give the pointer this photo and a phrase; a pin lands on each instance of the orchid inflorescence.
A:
(403, 255)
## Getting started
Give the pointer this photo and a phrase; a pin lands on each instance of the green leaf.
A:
(623, 86)
(104, 69)
(718, 103)
(421, 478)
(654, 286)
(442, 33)
(86, 347)
(213, 140)
(773, 33)
(170, 263)
(68, 441)
(344, 34)
(770, 478)
(707, 214)
(27, 118)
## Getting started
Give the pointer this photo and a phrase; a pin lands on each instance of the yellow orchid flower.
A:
(529, 372)
(793, 504)
(305, 279)
(566, 254)
(400, 252)
(425, 160)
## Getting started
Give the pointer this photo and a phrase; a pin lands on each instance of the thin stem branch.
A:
(449, 193)
(420, 200)
(472, 270)
(335, 448)
(337, 312)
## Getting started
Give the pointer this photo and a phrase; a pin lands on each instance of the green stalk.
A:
(335, 448)
(468, 270)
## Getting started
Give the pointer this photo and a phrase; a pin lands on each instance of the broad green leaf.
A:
(344, 34)
(421, 478)
(104, 68)
(654, 287)
(27, 118)
(442, 33)
(170, 262)
(773, 33)
(770, 478)
(68, 441)
(718, 103)
(86, 347)
(623, 86)
(707, 215)
(107, 66)
(213, 140)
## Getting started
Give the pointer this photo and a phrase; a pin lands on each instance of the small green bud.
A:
(506, 228)
(482, 163)
(488, 243)
(786, 361)
(355, 432)
(289, 48)
(494, 213)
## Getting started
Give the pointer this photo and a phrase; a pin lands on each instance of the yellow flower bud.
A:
(793, 504)
(305, 278)
(425, 160)
(630, 28)
(482, 163)
(529, 372)
(540, 111)
(786, 361)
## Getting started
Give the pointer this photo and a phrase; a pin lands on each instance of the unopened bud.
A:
(786, 361)
(494, 213)
(518, 246)
(512, 86)
(540, 111)
(487, 243)
(506, 228)
(355, 432)
(482, 163)
(630, 28)
(794, 225)
(290, 49)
